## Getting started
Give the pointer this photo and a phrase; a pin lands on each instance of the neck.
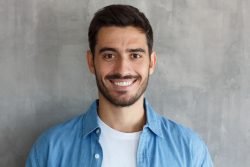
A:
(125, 119)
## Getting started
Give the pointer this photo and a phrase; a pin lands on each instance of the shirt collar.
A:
(90, 122)
(153, 119)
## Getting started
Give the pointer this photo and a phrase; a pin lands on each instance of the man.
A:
(120, 129)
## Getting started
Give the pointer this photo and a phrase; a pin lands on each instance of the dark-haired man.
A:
(120, 129)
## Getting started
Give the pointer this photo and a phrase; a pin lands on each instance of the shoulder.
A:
(51, 139)
(49, 146)
(68, 132)
(173, 130)
(62, 131)
(74, 127)
(186, 139)
(167, 128)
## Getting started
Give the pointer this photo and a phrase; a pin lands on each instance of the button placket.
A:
(97, 156)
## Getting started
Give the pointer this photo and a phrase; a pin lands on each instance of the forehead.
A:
(117, 37)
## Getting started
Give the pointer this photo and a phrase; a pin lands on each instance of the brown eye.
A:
(135, 56)
(108, 56)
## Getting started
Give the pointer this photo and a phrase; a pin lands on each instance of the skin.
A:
(122, 66)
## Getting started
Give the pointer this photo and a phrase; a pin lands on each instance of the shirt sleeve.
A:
(201, 156)
(32, 160)
(38, 156)
(206, 159)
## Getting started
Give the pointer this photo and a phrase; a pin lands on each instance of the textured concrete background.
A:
(202, 78)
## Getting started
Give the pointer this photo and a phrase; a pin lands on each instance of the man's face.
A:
(121, 64)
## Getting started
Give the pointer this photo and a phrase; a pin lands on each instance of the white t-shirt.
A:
(119, 148)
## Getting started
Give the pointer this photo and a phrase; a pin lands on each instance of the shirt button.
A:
(97, 131)
(97, 156)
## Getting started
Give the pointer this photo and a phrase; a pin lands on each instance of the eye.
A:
(108, 56)
(136, 55)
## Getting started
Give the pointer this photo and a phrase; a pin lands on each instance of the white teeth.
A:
(123, 83)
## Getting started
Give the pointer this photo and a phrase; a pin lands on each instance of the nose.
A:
(123, 66)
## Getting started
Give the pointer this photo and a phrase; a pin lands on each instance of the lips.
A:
(122, 82)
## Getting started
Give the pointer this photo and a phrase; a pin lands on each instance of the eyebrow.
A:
(128, 50)
(107, 49)
(136, 50)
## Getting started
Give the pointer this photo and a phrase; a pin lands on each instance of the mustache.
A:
(119, 76)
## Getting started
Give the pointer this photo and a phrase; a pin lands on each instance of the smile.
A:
(123, 83)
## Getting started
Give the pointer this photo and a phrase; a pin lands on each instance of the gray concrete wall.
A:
(202, 78)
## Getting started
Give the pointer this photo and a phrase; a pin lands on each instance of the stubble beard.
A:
(121, 102)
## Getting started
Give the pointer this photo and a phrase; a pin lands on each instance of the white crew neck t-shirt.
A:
(119, 148)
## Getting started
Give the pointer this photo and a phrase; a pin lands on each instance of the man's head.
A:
(120, 16)
(121, 54)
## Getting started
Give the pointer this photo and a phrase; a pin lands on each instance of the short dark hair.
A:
(121, 16)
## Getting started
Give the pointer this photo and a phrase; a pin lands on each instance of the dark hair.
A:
(119, 15)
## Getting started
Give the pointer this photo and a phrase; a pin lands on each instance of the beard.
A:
(119, 101)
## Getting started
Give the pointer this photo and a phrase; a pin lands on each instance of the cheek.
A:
(103, 70)
(142, 68)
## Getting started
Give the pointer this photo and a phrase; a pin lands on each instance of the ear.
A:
(90, 60)
(152, 63)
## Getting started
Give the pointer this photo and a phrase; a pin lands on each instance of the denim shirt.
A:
(163, 143)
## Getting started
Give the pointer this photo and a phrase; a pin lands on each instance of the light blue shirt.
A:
(163, 143)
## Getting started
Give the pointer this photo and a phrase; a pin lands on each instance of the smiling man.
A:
(120, 129)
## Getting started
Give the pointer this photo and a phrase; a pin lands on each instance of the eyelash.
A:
(135, 55)
(108, 56)
(111, 56)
